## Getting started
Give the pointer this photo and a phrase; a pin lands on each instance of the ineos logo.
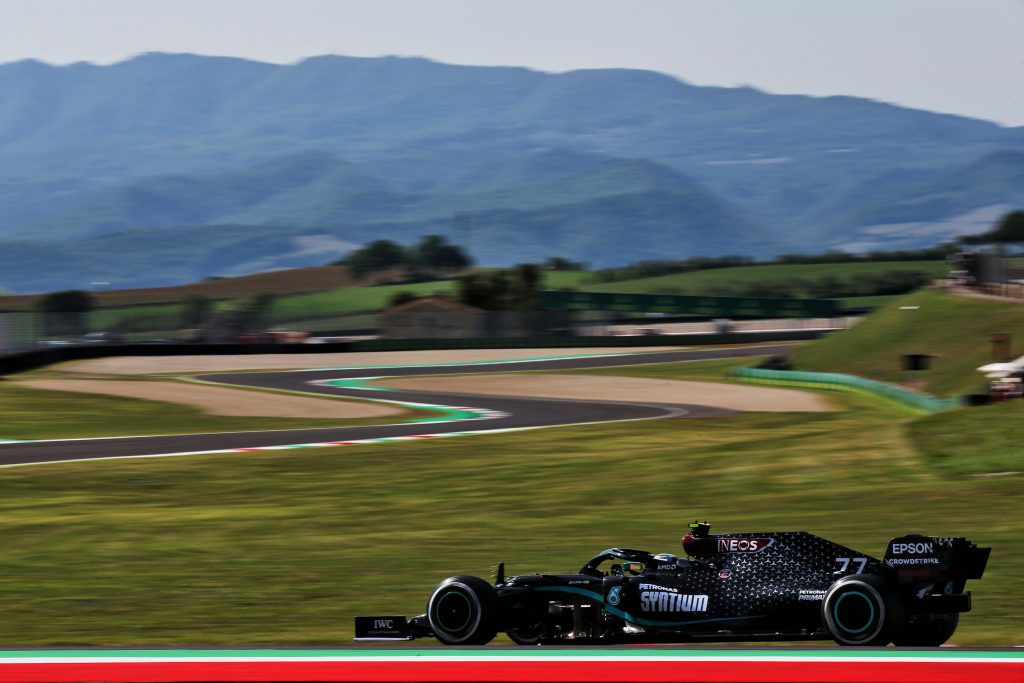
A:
(383, 623)
(741, 545)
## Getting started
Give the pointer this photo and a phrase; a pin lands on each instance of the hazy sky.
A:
(959, 56)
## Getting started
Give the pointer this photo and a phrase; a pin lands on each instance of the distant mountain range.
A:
(167, 168)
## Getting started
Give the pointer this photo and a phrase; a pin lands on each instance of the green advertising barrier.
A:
(837, 381)
(722, 306)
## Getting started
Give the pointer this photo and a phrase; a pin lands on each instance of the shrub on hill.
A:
(513, 289)
(432, 256)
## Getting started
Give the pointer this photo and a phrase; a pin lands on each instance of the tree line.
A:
(433, 255)
(883, 282)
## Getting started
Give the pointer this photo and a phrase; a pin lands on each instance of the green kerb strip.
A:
(640, 653)
(922, 403)
(359, 383)
(447, 413)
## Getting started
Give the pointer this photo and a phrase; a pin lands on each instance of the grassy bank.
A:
(268, 548)
(966, 442)
(743, 277)
(956, 330)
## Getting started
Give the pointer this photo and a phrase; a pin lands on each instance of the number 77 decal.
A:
(844, 563)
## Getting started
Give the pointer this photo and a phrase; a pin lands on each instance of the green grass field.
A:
(700, 281)
(973, 441)
(353, 299)
(271, 548)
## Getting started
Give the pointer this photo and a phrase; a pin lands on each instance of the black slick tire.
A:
(862, 609)
(927, 630)
(462, 610)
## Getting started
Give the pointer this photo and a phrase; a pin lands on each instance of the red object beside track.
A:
(492, 665)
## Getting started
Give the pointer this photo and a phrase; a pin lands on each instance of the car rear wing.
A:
(922, 558)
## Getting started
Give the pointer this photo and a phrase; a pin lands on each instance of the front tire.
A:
(462, 610)
(862, 609)
(532, 634)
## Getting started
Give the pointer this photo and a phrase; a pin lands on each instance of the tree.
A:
(377, 255)
(431, 255)
(241, 316)
(513, 289)
(561, 263)
(66, 313)
(195, 310)
(399, 298)
(1008, 230)
(475, 289)
(434, 253)
(524, 283)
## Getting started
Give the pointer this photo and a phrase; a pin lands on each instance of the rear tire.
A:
(928, 630)
(462, 610)
(862, 609)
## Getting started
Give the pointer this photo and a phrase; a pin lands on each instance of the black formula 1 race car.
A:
(751, 586)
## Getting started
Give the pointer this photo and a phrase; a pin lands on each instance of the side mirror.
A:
(633, 568)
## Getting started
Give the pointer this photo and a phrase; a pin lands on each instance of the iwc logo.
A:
(613, 595)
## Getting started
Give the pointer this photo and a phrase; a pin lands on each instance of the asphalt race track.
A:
(506, 413)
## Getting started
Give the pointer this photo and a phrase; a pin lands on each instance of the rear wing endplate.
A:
(915, 557)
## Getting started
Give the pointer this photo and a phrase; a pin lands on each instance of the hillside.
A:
(277, 282)
(607, 165)
(901, 209)
(580, 214)
(955, 330)
(281, 188)
(317, 190)
(161, 257)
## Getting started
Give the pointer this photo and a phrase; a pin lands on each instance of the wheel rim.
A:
(854, 612)
(453, 611)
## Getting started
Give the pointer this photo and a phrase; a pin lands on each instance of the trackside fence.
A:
(388, 344)
(30, 360)
(839, 382)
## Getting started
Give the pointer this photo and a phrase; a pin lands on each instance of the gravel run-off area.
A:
(216, 400)
(178, 365)
(740, 397)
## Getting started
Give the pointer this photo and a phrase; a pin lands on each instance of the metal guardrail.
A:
(838, 381)
(29, 360)
(390, 344)
(722, 306)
